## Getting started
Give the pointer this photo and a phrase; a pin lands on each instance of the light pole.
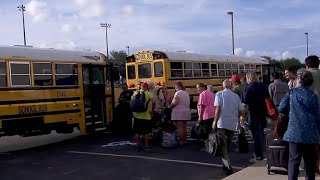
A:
(231, 13)
(106, 25)
(22, 9)
(307, 36)
(128, 49)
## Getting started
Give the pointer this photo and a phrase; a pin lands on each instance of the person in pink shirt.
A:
(181, 113)
(168, 97)
(206, 108)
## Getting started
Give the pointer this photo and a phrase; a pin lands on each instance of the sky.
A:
(273, 28)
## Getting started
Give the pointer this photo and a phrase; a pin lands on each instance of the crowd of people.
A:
(242, 96)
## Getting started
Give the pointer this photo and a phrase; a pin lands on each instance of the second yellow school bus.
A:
(164, 67)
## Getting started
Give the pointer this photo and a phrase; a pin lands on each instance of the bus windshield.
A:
(144, 70)
(131, 72)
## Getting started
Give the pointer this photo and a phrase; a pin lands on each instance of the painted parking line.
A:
(152, 158)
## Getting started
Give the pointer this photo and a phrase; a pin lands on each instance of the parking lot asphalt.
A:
(109, 157)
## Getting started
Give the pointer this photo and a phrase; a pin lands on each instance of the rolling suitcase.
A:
(277, 155)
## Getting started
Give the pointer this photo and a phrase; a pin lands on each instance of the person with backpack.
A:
(141, 108)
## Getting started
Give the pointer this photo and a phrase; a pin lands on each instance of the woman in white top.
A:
(181, 113)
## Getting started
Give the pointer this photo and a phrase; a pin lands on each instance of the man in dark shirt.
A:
(126, 94)
(254, 97)
(123, 123)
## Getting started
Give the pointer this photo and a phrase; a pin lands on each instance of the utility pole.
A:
(22, 8)
(106, 25)
(231, 13)
(128, 49)
(307, 36)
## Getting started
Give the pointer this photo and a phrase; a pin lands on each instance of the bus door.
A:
(267, 71)
(94, 97)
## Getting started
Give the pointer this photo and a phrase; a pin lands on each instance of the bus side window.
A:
(66, 74)
(3, 75)
(20, 73)
(42, 74)
(176, 69)
(214, 70)
(205, 70)
(188, 69)
(235, 69)
(228, 69)
(197, 70)
(221, 70)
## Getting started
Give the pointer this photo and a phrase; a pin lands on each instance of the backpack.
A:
(139, 104)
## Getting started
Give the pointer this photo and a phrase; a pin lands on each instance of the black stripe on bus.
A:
(195, 78)
(39, 100)
(192, 95)
(38, 88)
(16, 116)
(214, 85)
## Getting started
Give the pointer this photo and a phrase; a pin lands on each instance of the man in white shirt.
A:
(228, 109)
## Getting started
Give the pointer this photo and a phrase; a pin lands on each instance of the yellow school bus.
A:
(49, 89)
(163, 68)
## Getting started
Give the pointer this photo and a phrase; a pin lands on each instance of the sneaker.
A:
(253, 160)
(227, 171)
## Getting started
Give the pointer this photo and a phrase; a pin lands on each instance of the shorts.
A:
(142, 126)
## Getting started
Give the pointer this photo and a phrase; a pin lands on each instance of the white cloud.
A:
(90, 8)
(67, 28)
(68, 45)
(127, 10)
(273, 54)
(250, 53)
(238, 51)
(37, 9)
(286, 54)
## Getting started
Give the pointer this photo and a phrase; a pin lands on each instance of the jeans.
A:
(259, 140)
(296, 151)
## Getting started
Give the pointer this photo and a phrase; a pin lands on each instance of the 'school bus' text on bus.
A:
(163, 68)
(48, 89)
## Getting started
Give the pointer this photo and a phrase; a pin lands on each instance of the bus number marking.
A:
(61, 93)
(32, 109)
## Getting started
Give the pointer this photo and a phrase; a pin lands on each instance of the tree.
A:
(291, 62)
(272, 61)
(118, 58)
(284, 63)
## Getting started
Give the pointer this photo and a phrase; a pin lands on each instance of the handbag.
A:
(272, 110)
(281, 126)
(198, 132)
(212, 144)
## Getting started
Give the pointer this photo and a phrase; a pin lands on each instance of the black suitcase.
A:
(277, 155)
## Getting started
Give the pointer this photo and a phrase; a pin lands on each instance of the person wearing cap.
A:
(277, 89)
(142, 120)
(312, 65)
(237, 87)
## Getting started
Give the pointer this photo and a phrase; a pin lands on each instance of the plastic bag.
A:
(169, 139)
